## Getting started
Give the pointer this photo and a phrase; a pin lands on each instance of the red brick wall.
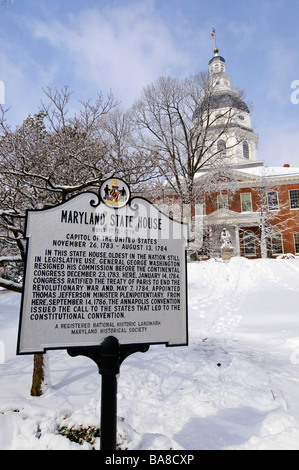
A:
(286, 219)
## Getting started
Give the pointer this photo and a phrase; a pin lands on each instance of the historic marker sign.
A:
(103, 266)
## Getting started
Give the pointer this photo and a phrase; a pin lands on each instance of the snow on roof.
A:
(262, 172)
(270, 171)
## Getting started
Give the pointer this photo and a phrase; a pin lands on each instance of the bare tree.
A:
(133, 163)
(4, 2)
(52, 156)
(179, 124)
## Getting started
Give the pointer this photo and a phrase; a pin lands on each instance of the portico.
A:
(237, 224)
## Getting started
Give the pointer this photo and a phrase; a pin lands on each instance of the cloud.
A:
(282, 70)
(23, 78)
(279, 144)
(122, 48)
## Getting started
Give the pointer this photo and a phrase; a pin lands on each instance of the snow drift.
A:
(234, 387)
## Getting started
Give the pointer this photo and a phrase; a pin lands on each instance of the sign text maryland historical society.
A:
(102, 266)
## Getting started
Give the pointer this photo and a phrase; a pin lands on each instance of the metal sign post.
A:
(108, 357)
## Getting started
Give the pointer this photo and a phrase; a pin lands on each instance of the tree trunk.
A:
(40, 375)
(264, 251)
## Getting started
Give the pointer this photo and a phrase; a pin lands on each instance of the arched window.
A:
(245, 149)
(249, 243)
(221, 147)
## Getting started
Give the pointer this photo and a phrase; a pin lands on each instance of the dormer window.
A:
(221, 147)
(245, 149)
(246, 202)
(222, 201)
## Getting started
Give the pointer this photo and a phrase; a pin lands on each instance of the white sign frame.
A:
(93, 271)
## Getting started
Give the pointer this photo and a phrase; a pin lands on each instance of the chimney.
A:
(286, 165)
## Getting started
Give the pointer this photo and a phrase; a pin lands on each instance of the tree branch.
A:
(10, 285)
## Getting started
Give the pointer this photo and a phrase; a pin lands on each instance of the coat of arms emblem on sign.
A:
(115, 193)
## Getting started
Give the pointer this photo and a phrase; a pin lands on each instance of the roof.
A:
(216, 57)
(228, 100)
(271, 171)
(222, 100)
(256, 173)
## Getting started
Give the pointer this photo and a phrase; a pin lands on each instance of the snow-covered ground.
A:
(235, 386)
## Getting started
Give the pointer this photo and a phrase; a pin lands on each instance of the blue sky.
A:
(123, 45)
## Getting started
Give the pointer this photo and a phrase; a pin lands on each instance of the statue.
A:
(225, 239)
(226, 244)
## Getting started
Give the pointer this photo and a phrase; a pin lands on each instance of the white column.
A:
(263, 243)
(237, 238)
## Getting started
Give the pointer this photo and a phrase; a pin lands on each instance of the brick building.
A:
(260, 208)
(261, 214)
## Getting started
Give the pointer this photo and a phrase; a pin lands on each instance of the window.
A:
(296, 241)
(221, 147)
(249, 243)
(200, 209)
(222, 201)
(272, 197)
(245, 149)
(246, 204)
(276, 244)
(294, 198)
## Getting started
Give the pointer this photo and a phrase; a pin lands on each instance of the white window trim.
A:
(269, 208)
(293, 208)
(294, 236)
(221, 147)
(222, 196)
(245, 143)
(248, 255)
(200, 209)
(250, 201)
(276, 236)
